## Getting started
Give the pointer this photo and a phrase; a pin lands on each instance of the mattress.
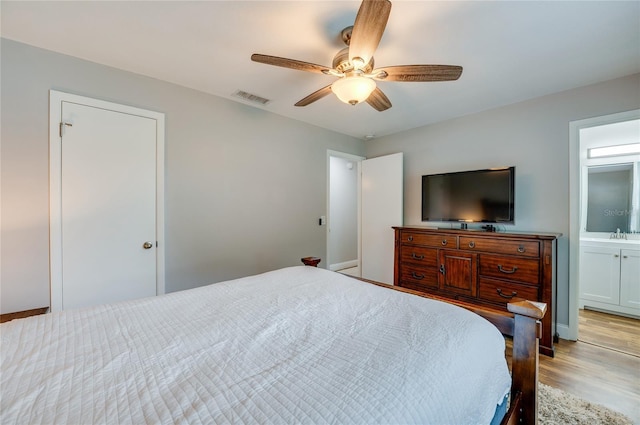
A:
(296, 345)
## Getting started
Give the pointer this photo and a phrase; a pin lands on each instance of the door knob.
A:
(147, 245)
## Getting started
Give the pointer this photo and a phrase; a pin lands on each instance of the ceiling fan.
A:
(354, 65)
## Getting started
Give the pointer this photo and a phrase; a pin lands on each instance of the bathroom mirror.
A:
(609, 198)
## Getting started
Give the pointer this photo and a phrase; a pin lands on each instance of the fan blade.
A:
(368, 29)
(289, 63)
(418, 73)
(378, 100)
(316, 95)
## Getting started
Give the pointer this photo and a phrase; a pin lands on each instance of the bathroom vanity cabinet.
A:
(610, 276)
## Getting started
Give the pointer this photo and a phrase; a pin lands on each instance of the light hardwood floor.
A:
(603, 366)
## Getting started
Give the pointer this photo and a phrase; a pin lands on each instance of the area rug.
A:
(557, 407)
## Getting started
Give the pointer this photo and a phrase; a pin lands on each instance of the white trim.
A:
(55, 215)
(55, 207)
(357, 159)
(575, 209)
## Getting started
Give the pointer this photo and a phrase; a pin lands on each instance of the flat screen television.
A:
(479, 196)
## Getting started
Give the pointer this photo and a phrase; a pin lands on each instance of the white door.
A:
(382, 208)
(105, 248)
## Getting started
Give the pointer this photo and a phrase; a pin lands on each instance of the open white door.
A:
(382, 208)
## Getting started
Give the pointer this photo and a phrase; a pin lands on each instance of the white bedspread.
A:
(297, 345)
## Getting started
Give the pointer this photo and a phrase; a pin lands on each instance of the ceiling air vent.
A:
(251, 97)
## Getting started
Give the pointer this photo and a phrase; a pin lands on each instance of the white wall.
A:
(230, 168)
(533, 136)
(619, 133)
(244, 187)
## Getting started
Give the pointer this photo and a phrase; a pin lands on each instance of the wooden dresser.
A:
(484, 268)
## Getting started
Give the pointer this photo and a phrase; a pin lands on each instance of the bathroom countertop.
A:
(632, 242)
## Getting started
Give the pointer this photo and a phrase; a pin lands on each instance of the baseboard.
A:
(563, 331)
(7, 317)
(344, 265)
(618, 310)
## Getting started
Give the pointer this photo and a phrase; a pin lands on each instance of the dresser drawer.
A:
(500, 246)
(437, 240)
(512, 268)
(426, 277)
(505, 292)
(419, 255)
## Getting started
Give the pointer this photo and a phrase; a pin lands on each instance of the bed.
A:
(296, 345)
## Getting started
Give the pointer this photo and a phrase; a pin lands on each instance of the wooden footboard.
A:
(523, 323)
(527, 331)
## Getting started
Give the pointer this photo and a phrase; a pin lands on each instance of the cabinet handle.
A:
(624, 256)
(521, 249)
(444, 242)
(512, 271)
(417, 276)
(513, 294)
(442, 268)
(472, 244)
(417, 257)
(615, 255)
(410, 238)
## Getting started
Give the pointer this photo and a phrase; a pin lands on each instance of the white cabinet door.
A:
(600, 274)
(630, 278)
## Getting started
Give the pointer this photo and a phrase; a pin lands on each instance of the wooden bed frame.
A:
(523, 323)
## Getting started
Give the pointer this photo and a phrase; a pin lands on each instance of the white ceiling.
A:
(510, 50)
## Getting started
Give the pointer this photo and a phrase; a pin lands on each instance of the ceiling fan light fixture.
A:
(354, 89)
(354, 64)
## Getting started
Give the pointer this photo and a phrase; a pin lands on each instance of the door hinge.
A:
(62, 125)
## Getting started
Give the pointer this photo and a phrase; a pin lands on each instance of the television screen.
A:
(480, 196)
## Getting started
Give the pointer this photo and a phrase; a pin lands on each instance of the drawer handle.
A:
(472, 244)
(417, 257)
(521, 249)
(410, 238)
(513, 294)
(417, 276)
(503, 270)
(444, 242)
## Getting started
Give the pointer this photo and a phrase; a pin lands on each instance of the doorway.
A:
(106, 202)
(343, 217)
(604, 197)
(378, 205)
